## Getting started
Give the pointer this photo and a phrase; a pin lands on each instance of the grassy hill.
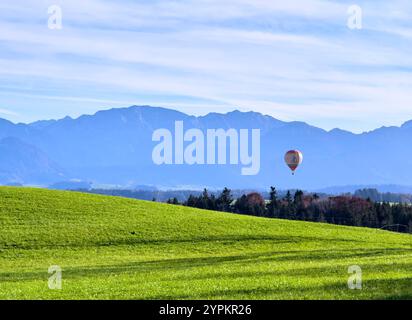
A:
(126, 249)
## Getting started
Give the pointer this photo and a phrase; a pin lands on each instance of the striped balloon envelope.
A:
(293, 159)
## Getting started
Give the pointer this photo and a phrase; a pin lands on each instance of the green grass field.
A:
(115, 248)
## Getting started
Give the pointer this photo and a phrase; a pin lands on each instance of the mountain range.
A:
(114, 147)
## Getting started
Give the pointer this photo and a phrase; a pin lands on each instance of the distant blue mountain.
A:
(21, 163)
(115, 147)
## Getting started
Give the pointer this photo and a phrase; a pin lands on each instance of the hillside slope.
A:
(126, 249)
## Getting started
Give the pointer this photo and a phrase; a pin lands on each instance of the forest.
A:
(347, 210)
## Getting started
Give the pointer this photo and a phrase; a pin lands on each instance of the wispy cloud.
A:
(295, 60)
(8, 112)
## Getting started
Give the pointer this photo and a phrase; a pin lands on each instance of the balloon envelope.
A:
(293, 159)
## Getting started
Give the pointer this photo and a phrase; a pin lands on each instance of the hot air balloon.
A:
(293, 159)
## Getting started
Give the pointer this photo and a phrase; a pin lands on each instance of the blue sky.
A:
(294, 60)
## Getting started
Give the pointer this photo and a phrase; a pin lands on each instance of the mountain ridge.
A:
(406, 124)
(115, 146)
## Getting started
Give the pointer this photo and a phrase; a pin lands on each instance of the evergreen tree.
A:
(290, 209)
(191, 201)
(273, 204)
(241, 205)
(224, 201)
(204, 200)
(299, 206)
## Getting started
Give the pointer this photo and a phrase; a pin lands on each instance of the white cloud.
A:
(8, 112)
(301, 62)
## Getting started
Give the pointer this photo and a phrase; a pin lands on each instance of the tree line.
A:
(377, 196)
(342, 210)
